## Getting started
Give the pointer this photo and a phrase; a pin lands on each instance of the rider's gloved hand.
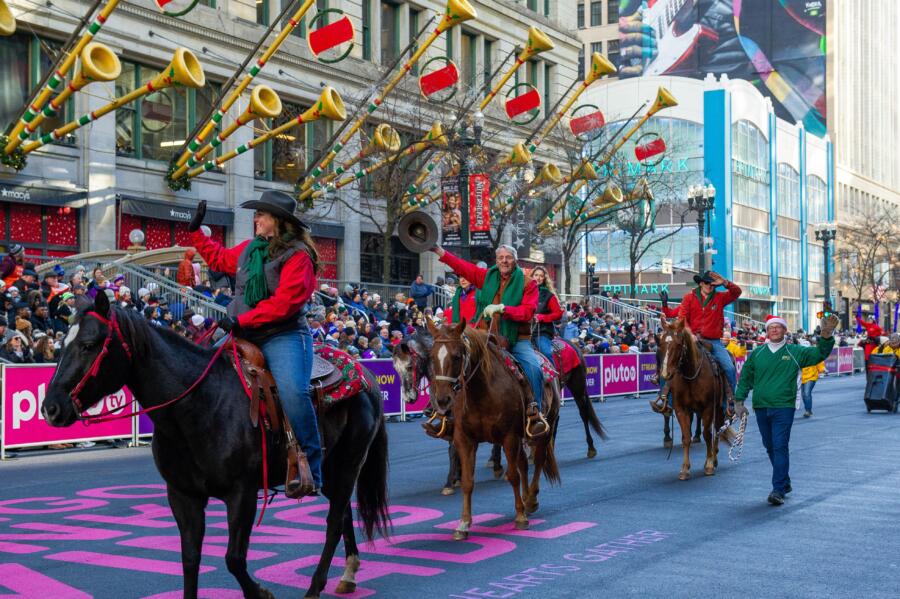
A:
(197, 220)
(664, 298)
(492, 309)
(229, 324)
(740, 410)
(828, 325)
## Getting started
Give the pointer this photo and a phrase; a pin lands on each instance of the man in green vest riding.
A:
(505, 292)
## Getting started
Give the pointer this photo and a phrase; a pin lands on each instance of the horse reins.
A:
(461, 380)
(109, 415)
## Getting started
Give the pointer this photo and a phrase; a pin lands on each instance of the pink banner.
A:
(845, 360)
(739, 365)
(24, 388)
(619, 374)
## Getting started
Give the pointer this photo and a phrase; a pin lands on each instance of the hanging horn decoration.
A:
(184, 70)
(58, 73)
(664, 99)
(519, 156)
(330, 35)
(457, 12)
(329, 106)
(98, 63)
(600, 65)
(385, 139)
(435, 138)
(527, 102)
(549, 175)
(264, 104)
(585, 125)
(7, 20)
(537, 42)
(444, 78)
(180, 166)
(641, 190)
(584, 172)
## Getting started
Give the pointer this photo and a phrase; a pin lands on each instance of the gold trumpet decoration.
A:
(611, 197)
(664, 99)
(7, 20)
(264, 104)
(98, 63)
(18, 134)
(519, 156)
(184, 69)
(435, 138)
(537, 42)
(385, 139)
(457, 12)
(329, 106)
(549, 175)
(181, 164)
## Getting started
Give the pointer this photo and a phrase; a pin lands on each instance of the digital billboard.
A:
(777, 45)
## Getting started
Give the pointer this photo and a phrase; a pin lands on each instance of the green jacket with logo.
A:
(773, 376)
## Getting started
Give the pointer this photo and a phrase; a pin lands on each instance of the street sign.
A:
(666, 266)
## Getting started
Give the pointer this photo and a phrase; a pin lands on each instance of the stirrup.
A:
(433, 431)
(299, 477)
(660, 406)
(535, 417)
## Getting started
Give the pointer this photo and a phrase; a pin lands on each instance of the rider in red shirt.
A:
(873, 334)
(464, 301)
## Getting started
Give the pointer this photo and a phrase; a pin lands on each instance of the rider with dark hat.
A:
(462, 306)
(548, 313)
(275, 276)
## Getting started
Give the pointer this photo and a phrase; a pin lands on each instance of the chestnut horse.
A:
(471, 379)
(697, 388)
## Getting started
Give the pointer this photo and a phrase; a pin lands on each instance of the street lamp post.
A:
(464, 144)
(826, 234)
(701, 199)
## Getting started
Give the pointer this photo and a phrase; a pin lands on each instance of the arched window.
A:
(816, 200)
(750, 165)
(788, 191)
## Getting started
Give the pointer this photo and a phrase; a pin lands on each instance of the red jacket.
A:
(298, 281)
(555, 312)
(524, 312)
(873, 331)
(707, 318)
(466, 307)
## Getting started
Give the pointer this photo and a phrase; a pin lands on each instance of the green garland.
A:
(17, 159)
(176, 184)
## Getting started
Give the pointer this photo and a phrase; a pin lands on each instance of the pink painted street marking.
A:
(107, 560)
(509, 528)
(173, 544)
(279, 535)
(410, 515)
(20, 548)
(201, 594)
(26, 583)
(60, 504)
(151, 515)
(487, 547)
(157, 491)
(60, 532)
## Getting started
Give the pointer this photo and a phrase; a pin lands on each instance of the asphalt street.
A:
(621, 525)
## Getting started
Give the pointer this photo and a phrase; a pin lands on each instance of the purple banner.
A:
(390, 384)
(831, 363)
(647, 368)
(619, 374)
(593, 374)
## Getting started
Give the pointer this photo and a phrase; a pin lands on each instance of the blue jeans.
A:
(545, 346)
(775, 428)
(524, 353)
(289, 357)
(806, 392)
(723, 357)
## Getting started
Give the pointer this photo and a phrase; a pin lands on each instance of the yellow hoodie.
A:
(811, 373)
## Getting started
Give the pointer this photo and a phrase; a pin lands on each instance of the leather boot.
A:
(299, 476)
(661, 404)
(536, 425)
(438, 427)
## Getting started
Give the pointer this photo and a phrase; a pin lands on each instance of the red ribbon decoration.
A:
(589, 122)
(331, 35)
(438, 80)
(650, 149)
(530, 100)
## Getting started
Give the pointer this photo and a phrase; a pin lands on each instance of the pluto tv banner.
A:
(777, 45)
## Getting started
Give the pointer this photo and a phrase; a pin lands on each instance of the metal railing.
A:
(739, 319)
(619, 309)
(137, 277)
(440, 298)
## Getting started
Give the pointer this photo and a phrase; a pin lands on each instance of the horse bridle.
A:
(112, 328)
(461, 380)
(681, 361)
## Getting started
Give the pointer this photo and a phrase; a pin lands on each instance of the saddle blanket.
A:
(351, 381)
(547, 369)
(565, 357)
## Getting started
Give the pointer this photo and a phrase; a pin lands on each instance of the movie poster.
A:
(451, 212)
(480, 210)
(777, 45)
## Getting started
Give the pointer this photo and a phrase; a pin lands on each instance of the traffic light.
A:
(593, 285)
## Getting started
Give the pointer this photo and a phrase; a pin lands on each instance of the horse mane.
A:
(480, 350)
(690, 346)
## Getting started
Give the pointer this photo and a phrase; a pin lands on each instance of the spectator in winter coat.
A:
(16, 349)
(873, 335)
(28, 281)
(419, 291)
(12, 265)
(40, 319)
(185, 274)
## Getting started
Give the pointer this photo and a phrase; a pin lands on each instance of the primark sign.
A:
(636, 169)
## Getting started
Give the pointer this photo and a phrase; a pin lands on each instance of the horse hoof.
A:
(460, 535)
(265, 593)
(531, 507)
(592, 453)
(695, 440)
(345, 588)
(684, 475)
(709, 470)
(498, 472)
(448, 491)
(667, 443)
(521, 524)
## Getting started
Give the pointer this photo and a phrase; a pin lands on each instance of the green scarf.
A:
(256, 289)
(512, 296)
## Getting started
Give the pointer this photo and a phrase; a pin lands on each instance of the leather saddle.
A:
(324, 376)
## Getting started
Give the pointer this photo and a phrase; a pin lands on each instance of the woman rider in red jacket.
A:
(275, 275)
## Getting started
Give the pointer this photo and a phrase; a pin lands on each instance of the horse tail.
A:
(371, 487)
(586, 407)
(551, 468)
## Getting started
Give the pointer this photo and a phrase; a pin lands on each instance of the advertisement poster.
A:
(647, 368)
(451, 212)
(619, 374)
(479, 210)
(24, 389)
(776, 45)
(389, 381)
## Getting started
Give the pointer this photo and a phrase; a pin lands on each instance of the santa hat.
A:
(771, 319)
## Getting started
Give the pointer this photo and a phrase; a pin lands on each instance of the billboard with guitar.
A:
(778, 45)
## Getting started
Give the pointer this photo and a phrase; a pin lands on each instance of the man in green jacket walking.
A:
(771, 373)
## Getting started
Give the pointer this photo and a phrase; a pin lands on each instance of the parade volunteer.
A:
(771, 373)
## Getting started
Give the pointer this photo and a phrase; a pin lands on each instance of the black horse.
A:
(204, 445)
(412, 364)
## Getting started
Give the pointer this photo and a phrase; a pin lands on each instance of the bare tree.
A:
(867, 248)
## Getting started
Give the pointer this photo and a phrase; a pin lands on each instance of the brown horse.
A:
(696, 387)
(487, 400)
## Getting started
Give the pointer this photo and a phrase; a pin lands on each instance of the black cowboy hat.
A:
(704, 278)
(277, 203)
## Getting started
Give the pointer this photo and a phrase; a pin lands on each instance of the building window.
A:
(750, 165)
(42, 230)
(367, 29)
(612, 52)
(596, 47)
(788, 258)
(467, 56)
(790, 311)
(285, 158)
(160, 233)
(533, 5)
(262, 12)
(404, 264)
(816, 200)
(815, 262)
(596, 14)
(788, 192)
(580, 15)
(581, 62)
(751, 251)
(328, 257)
(390, 32)
(612, 12)
(413, 32)
(488, 61)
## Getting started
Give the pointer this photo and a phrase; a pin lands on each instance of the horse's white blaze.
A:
(442, 357)
(73, 332)
(664, 369)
